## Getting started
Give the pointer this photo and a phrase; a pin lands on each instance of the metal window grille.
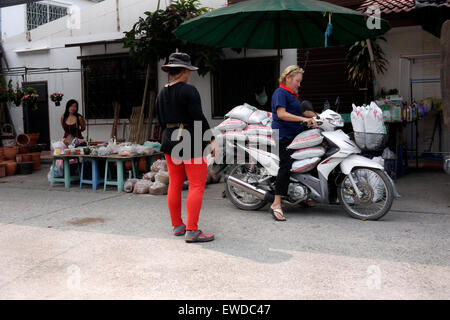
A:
(42, 13)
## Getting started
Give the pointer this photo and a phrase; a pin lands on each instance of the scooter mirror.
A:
(306, 105)
(337, 104)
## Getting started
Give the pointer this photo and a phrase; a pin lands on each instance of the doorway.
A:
(36, 120)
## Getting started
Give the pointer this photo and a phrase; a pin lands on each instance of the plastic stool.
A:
(95, 176)
(108, 181)
(67, 179)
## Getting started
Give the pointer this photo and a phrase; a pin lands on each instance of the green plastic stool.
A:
(67, 179)
(120, 174)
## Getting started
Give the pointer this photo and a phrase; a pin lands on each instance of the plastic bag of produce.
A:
(241, 112)
(308, 153)
(306, 139)
(142, 186)
(158, 188)
(373, 120)
(159, 165)
(357, 119)
(213, 176)
(163, 177)
(150, 176)
(129, 185)
(302, 166)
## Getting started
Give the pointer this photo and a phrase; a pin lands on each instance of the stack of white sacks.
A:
(247, 124)
(308, 150)
(368, 126)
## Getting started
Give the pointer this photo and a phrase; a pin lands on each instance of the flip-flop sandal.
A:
(179, 230)
(280, 212)
(198, 236)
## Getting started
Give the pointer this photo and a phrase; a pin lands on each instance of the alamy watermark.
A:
(373, 14)
(73, 277)
(373, 280)
(74, 17)
(233, 146)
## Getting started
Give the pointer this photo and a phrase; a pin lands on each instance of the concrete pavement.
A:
(85, 244)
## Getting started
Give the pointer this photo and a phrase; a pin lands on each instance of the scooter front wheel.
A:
(375, 198)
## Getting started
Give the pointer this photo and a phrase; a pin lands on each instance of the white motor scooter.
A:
(342, 177)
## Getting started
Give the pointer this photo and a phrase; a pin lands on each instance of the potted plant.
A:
(11, 92)
(3, 92)
(359, 64)
(18, 95)
(56, 98)
(30, 97)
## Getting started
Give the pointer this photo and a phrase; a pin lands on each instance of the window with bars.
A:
(120, 78)
(42, 13)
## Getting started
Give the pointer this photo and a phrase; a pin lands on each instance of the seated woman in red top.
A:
(72, 122)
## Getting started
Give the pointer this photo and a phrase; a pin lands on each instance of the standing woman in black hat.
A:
(178, 107)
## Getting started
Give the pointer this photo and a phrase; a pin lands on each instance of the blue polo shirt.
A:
(283, 98)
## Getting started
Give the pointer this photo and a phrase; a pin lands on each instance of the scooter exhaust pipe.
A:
(261, 194)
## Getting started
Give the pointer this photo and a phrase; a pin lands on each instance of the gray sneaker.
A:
(179, 230)
(198, 236)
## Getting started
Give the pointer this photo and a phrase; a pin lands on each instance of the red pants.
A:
(196, 170)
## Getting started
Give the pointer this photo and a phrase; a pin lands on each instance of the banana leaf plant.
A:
(359, 64)
(152, 39)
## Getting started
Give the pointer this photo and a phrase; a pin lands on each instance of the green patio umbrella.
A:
(280, 24)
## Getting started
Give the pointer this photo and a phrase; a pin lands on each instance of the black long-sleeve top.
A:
(181, 103)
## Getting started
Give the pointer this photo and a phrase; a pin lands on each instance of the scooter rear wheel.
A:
(240, 198)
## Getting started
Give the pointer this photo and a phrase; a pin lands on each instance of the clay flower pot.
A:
(23, 139)
(11, 167)
(26, 157)
(10, 152)
(36, 158)
(34, 137)
(24, 149)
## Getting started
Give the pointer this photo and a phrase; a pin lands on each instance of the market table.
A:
(114, 158)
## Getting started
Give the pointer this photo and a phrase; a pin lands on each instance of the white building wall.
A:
(14, 17)
(415, 41)
(13, 21)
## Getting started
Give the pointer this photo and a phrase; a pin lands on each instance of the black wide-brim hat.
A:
(179, 60)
